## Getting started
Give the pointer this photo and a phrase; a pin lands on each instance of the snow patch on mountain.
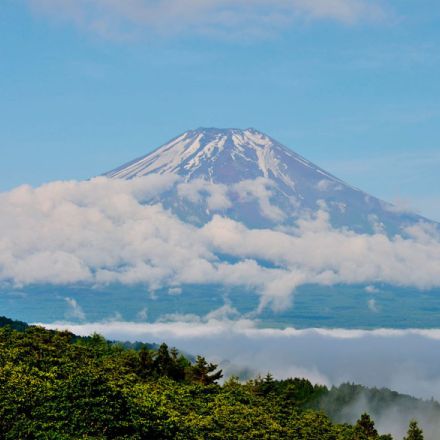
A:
(202, 149)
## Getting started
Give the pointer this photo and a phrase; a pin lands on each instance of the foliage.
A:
(414, 432)
(16, 325)
(55, 385)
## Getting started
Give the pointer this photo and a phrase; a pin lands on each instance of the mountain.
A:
(250, 177)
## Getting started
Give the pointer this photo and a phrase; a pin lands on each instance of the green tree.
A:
(203, 373)
(163, 363)
(414, 432)
(364, 428)
(146, 363)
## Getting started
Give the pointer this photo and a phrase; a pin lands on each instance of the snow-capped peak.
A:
(209, 152)
(259, 182)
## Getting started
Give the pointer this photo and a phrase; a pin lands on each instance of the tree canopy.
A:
(55, 385)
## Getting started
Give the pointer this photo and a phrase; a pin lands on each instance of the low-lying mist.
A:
(391, 411)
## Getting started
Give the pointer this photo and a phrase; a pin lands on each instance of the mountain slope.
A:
(252, 178)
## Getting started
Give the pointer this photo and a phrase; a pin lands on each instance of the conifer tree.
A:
(163, 362)
(414, 432)
(204, 373)
(146, 363)
(364, 428)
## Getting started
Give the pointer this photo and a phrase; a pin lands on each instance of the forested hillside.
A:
(388, 408)
(55, 385)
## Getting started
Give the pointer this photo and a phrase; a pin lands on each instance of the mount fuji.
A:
(248, 176)
(217, 224)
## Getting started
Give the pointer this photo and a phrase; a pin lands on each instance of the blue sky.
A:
(351, 84)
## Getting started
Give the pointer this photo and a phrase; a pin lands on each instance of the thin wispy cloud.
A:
(128, 18)
(75, 310)
(372, 305)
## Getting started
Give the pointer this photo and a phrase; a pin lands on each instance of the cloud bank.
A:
(107, 231)
(122, 18)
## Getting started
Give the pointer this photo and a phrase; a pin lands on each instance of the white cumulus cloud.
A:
(113, 231)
